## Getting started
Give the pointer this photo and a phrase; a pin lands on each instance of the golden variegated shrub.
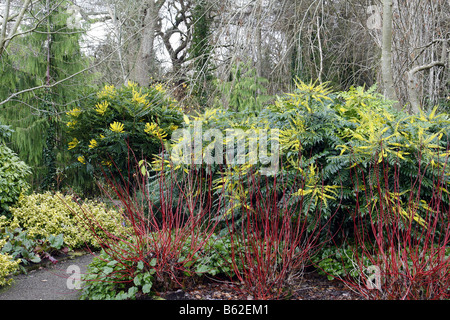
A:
(7, 266)
(48, 214)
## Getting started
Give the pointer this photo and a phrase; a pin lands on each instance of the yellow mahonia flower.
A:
(153, 129)
(101, 107)
(75, 112)
(116, 127)
(107, 92)
(72, 124)
(138, 97)
(102, 137)
(93, 144)
(107, 163)
(131, 84)
(159, 87)
(150, 127)
(82, 159)
(73, 143)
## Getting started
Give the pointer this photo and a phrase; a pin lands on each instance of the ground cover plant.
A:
(44, 227)
(45, 214)
(8, 265)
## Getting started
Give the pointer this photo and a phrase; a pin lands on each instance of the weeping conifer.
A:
(47, 55)
(200, 51)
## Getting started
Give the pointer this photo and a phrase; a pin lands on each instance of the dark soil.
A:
(312, 286)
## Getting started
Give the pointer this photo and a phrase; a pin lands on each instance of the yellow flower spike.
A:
(116, 127)
(159, 87)
(72, 124)
(138, 97)
(93, 144)
(73, 143)
(153, 129)
(149, 127)
(74, 113)
(101, 108)
(131, 84)
(107, 163)
(82, 159)
(107, 92)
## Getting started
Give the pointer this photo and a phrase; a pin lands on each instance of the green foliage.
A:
(35, 118)
(13, 178)
(244, 90)
(338, 262)
(215, 257)
(326, 137)
(5, 132)
(20, 246)
(109, 279)
(120, 126)
(28, 250)
(46, 214)
(200, 51)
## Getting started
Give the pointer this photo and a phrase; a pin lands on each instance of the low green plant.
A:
(336, 262)
(215, 257)
(20, 246)
(109, 279)
(8, 265)
(28, 250)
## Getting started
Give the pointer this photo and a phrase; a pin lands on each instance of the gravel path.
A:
(54, 282)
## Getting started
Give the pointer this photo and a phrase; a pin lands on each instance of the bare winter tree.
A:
(421, 36)
(343, 42)
(12, 16)
(419, 52)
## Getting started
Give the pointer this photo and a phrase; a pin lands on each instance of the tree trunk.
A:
(145, 61)
(259, 49)
(386, 55)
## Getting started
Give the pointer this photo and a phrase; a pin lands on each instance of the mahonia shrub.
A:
(45, 214)
(13, 178)
(7, 266)
(119, 124)
(324, 136)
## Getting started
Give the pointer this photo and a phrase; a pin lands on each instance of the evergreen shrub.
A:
(119, 124)
(13, 175)
(324, 136)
